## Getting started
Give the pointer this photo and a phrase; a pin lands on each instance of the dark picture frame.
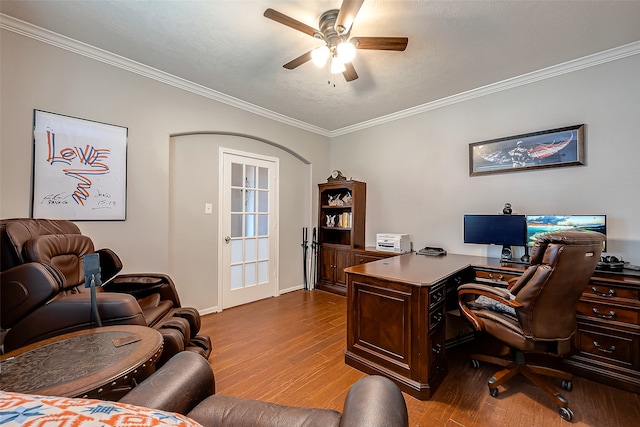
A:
(79, 169)
(538, 150)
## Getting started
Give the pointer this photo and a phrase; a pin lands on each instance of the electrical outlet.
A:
(208, 208)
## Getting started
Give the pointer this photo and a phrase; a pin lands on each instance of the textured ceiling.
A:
(230, 47)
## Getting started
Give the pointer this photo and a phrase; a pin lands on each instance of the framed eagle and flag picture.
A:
(546, 149)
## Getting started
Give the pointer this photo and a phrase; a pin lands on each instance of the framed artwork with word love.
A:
(79, 169)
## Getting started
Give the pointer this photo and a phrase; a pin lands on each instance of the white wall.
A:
(194, 236)
(417, 170)
(36, 75)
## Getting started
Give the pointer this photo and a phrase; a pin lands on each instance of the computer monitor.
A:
(505, 230)
(537, 225)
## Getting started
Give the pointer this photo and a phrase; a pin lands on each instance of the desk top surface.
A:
(419, 270)
(71, 364)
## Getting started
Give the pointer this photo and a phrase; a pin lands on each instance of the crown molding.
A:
(525, 79)
(37, 33)
(43, 35)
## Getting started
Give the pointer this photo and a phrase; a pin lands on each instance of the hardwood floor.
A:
(290, 350)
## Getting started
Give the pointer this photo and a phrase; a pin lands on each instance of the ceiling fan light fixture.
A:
(346, 51)
(337, 66)
(320, 55)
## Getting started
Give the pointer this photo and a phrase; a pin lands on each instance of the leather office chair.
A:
(537, 312)
(59, 245)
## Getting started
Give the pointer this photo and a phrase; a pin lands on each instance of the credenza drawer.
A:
(363, 256)
(608, 312)
(363, 259)
(610, 346)
(607, 291)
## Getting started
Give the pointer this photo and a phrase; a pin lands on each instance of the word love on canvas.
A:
(90, 160)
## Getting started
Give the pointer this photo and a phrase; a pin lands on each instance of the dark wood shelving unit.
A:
(337, 241)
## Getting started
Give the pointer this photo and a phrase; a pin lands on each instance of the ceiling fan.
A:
(340, 48)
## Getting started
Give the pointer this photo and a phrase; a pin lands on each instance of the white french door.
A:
(248, 227)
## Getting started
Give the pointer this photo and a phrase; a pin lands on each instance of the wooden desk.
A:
(86, 363)
(396, 311)
(397, 319)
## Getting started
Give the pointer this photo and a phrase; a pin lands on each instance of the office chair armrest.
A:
(499, 294)
(469, 292)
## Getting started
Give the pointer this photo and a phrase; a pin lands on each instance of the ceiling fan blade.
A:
(298, 61)
(347, 15)
(289, 22)
(382, 43)
(350, 72)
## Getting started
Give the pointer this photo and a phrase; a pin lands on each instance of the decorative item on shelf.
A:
(345, 220)
(333, 199)
(347, 199)
(507, 209)
(331, 220)
(336, 175)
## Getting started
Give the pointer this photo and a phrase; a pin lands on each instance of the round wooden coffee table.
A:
(102, 363)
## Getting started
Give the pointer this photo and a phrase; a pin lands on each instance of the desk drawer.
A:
(495, 276)
(436, 296)
(438, 365)
(607, 312)
(436, 316)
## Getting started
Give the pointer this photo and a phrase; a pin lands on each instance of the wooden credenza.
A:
(397, 320)
(607, 343)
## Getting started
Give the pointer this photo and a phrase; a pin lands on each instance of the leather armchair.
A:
(16, 234)
(537, 312)
(60, 246)
(186, 385)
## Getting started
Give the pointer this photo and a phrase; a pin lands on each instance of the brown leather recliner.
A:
(60, 245)
(186, 385)
(537, 312)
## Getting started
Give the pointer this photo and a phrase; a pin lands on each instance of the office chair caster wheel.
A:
(567, 385)
(493, 391)
(475, 364)
(565, 413)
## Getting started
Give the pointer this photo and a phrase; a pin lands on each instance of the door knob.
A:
(227, 240)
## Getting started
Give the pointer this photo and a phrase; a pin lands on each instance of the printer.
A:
(393, 242)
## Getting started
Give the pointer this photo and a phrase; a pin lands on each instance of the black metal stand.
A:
(314, 259)
(305, 231)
